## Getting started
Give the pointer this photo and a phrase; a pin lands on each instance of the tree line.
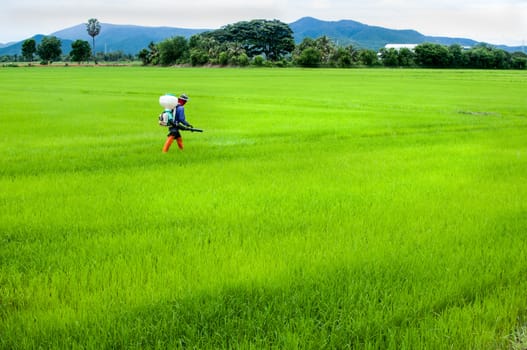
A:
(271, 43)
(430, 55)
(50, 50)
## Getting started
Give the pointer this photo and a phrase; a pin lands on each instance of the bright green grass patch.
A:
(319, 209)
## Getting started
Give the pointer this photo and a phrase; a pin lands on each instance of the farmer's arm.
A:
(180, 115)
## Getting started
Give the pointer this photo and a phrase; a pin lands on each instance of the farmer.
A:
(179, 118)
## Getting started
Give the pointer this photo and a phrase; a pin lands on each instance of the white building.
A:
(412, 47)
(400, 46)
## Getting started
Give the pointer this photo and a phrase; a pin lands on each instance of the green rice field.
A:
(319, 209)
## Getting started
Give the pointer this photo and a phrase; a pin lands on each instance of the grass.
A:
(376, 209)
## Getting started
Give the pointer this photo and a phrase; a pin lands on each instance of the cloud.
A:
(483, 20)
(320, 4)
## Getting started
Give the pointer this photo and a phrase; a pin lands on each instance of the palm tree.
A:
(94, 28)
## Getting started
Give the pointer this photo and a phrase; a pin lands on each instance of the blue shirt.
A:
(179, 115)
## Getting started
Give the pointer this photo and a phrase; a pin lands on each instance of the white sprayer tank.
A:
(168, 101)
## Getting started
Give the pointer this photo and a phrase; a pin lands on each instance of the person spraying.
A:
(174, 118)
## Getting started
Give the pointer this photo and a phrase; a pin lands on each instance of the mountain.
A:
(112, 37)
(127, 38)
(7, 44)
(16, 48)
(347, 32)
(131, 39)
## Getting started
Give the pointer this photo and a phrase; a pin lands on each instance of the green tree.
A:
(459, 59)
(29, 48)
(344, 57)
(274, 39)
(49, 49)
(432, 55)
(258, 61)
(502, 59)
(199, 49)
(481, 56)
(205, 45)
(368, 58)
(154, 53)
(390, 57)
(144, 56)
(309, 57)
(242, 60)
(198, 57)
(233, 51)
(80, 51)
(308, 53)
(280, 41)
(150, 55)
(307, 42)
(223, 58)
(519, 60)
(327, 49)
(93, 27)
(173, 50)
(406, 57)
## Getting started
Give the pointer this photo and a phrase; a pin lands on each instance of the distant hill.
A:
(113, 37)
(7, 44)
(347, 32)
(127, 38)
(131, 39)
(16, 48)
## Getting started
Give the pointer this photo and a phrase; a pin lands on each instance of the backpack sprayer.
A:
(168, 102)
(166, 118)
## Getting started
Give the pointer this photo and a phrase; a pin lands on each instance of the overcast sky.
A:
(492, 21)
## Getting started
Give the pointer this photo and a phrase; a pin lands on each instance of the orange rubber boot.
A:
(179, 142)
(168, 143)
